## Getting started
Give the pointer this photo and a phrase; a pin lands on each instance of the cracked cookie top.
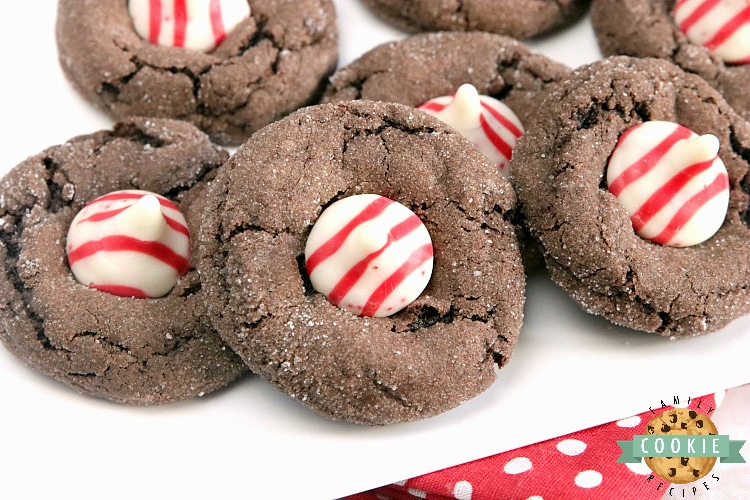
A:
(272, 63)
(429, 65)
(515, 18)
(559, 172)
(431, 356)
(129, 350)
(647, 28)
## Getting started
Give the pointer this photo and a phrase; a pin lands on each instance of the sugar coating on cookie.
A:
(193, 24)
(127, 350)
(130, 243)
(516, 18)
(434, 354)
(487, 122)
(369, 254)
(671, 181)
(721, 26)
(273, 62)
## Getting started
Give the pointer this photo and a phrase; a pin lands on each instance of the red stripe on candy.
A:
(330, 247)
(417, 258)
(503, 147)
(697, 14)
(688, 210)
(648, 161)
(728, 29)
(347, 282)
(100, 216)
(433, 106)
(108, 214)
(662, 196)
(121, 290)
(503, 120)
(180, 22)
(177, 226)
(118, 243)
(154, 25)
(217, 23)
(126, 195)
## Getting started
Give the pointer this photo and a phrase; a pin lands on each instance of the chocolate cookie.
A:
(592, 250)
(646, 28)
(272, 63)
(518, 19)
(435, 354)
(128, 350)
(431, 65)
(425, 66)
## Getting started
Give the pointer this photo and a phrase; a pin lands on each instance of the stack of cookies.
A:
(365, 248)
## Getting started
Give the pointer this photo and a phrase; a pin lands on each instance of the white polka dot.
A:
(719, 397)
(588, 479)
(517, 465)
(463, 490)
(400, 483)
(535, 497)
(571, 447)
(629, 422)
(417, 493)
(639, 468)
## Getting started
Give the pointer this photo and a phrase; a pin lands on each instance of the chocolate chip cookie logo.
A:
(680, 446)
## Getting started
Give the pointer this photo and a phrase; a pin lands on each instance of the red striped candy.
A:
(130, 243)
(721, 26)
(671, 181)
(488, 123)
(369, 254)
(192, 24)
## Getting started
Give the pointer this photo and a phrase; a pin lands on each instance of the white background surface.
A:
(250, 441)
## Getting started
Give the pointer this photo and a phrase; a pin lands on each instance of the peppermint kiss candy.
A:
(671, 181)
(192, 24)
(488, 123)
(721, 26)
(129, 243)
(369, 254)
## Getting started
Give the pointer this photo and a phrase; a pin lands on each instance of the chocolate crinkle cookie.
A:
(515, 18)
(425, 66)
(649, 28)
(125, 349)
(593, 252)
(275, 60)
(436, 353)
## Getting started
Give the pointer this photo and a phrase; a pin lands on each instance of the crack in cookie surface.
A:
(592, 250)
(266, 309)
(269, 65)
(92, 340)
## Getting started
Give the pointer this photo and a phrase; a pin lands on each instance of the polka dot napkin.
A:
(582, 466)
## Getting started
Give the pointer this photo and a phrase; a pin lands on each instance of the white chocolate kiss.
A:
(723, 29)
(130, 243)
(671, 182)
(200, 26)
(487, 123)
(369, 255)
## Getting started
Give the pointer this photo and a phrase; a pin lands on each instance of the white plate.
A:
(570, 370)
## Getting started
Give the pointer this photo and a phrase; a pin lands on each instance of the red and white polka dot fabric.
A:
(582, 466)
